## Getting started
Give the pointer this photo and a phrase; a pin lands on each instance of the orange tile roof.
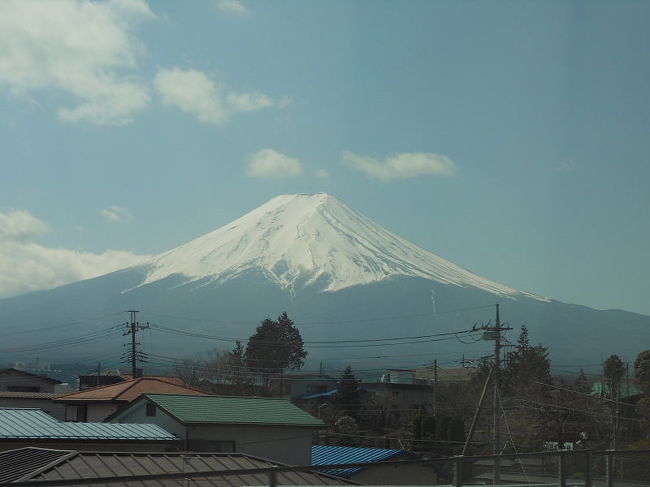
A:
(130, 390)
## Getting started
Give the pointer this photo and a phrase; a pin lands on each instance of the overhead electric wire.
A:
(330, 343)
(333, 322)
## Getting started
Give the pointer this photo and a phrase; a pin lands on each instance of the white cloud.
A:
(246, 102)
(117, 214)
(195, 93)
(20, 225)
(27, 266)
(269, 163)
(322, 174)
(236, 7)
(402, 166)
(80, 48)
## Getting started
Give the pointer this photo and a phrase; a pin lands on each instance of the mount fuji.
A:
(339, 275)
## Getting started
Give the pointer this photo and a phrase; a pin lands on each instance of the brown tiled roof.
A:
(42, 464)
(130, 390)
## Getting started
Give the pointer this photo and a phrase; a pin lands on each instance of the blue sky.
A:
(508, 137)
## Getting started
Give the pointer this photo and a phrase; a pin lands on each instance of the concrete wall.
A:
(280, 443)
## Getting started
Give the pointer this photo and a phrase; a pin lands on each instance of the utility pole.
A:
(435, 387)
(496, 446)
(134, 354)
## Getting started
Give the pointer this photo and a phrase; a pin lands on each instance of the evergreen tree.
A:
(613, 372)
(275, 346)
(527, 364)
(347, 399)
(642, 370)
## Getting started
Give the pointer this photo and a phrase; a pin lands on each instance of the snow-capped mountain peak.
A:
(305, 238)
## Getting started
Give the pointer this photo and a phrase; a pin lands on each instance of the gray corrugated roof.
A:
(110, 464)
(16, 464)
(30, 423)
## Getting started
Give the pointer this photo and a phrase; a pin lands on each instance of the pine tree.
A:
(275, 346)
(614, 371)
(347, 399)
(527, 364)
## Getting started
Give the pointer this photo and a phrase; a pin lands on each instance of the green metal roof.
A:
(234, 410)
(31, 423)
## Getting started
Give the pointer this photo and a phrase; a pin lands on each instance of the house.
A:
(37, 464)
(377, 474)
(96, 404)
(38, 400)
(398, 393)
(14, 380)
(20, 427)
(267, 427)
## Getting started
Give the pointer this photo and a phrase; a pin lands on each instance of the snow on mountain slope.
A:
(301, 239)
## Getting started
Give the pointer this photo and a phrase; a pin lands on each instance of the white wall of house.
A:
(284, 444)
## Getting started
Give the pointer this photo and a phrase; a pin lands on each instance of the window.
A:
(82, 413)
(151, 409)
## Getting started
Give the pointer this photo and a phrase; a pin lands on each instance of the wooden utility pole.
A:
(435, 387)
(496, 444)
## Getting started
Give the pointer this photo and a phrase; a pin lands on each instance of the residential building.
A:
(36, 464)
(398, 393)
(96, 404)
(13, 380)
(20, 427)
(271, 428)
(39, 400)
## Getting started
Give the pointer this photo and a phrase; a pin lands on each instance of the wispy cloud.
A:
(269, 163)
(81, 48)
(402, 166)
(194, 92)
(28, 266)
(117, 214)
(567, 166)
(235, 7)
(322, 174)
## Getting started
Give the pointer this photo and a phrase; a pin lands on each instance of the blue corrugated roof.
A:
(31, 423)
(319, 394)
(331, 455)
